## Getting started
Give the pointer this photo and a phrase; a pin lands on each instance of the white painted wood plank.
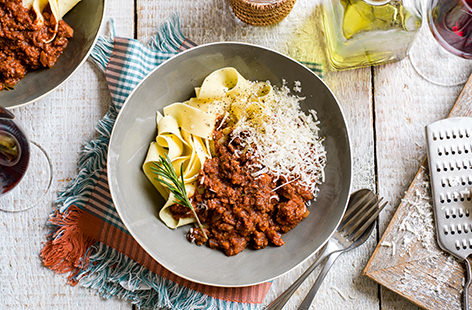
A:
(61, 123)
(404, 105)
(212, 20)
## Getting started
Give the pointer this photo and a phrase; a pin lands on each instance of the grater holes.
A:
(444, 182)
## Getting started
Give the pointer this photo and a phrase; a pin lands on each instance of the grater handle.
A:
(465, 293)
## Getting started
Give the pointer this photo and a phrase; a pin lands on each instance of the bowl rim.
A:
(146, 248)
(84, 59)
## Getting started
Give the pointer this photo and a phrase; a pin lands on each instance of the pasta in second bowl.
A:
(189, 148)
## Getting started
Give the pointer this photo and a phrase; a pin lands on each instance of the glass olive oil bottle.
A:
(362, 33)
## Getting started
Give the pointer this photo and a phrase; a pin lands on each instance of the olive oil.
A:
(362, 33)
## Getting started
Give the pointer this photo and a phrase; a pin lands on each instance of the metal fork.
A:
(355, 228)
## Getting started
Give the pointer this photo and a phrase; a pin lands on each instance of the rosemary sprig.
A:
(167, 176)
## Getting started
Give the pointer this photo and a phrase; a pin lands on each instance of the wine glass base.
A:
(435, 64)
(33, 188)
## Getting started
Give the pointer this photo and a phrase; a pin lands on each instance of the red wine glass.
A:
(25, 168)
(442, 54)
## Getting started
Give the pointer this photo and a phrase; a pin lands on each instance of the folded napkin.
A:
(88, 240)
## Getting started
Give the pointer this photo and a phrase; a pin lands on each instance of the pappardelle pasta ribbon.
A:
(59, 8)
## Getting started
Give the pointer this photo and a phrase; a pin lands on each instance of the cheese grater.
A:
(450, 169)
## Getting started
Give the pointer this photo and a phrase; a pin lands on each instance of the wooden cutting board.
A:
(407, 259)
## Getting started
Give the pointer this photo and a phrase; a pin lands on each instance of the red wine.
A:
(451, 24)
(14, 155)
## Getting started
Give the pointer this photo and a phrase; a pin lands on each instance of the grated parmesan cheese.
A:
(389, 245)
(341, 294)
(285, 140)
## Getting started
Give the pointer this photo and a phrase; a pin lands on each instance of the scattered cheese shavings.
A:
(454, 181)
(223, 121)
(339, 292)
(419, 225)
(389, 245)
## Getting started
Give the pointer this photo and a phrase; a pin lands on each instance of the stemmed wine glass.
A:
(25, 167)
(442, 54)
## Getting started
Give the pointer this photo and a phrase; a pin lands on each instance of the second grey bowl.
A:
(86, 19)
(138, 202)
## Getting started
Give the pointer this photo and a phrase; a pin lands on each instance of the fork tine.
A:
(359, 212)
(363, 217)
(354, 208)
(367, 224)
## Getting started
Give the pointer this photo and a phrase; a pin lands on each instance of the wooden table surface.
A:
(386, 107)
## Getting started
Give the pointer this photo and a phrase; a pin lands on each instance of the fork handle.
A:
(280, 301)
(465, 293)
(306, 303)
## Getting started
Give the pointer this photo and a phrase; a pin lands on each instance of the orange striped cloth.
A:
(88, 239)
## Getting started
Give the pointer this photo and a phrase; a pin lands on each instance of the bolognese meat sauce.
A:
(239, 208)
(24, 41)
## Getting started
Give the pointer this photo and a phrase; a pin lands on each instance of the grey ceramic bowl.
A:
(86, 19)
(138, 202)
